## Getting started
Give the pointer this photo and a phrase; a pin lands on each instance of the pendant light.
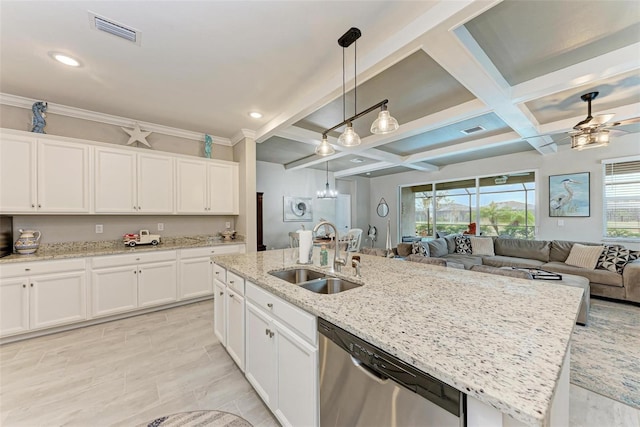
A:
(385, 123)
(327, 193)
(325, 149)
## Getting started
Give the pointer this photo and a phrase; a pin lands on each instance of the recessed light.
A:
(255, 115)
(65, 59)
(368, 173)
(357, 160)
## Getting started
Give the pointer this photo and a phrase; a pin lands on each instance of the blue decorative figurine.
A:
(207, 145)
(38, 122)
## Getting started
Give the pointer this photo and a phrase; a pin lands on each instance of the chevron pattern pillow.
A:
(419, 249)
(614, 258)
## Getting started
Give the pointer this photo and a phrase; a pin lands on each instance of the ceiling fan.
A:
(593, 132)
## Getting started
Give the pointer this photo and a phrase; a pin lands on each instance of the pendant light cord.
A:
(355, 77)
(344, 116)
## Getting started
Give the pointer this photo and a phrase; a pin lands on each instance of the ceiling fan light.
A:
(586, 140)
(349, 137)
(324, 148)
(384, 123)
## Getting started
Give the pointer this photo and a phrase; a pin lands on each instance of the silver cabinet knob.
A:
(269, 305)
(33, 205)
(27, 269)
(231, 295)
(221, 293)
(271, 334)
(135, 272)
(32, 285)
(231, 281)
(39, 205)
(24, 285)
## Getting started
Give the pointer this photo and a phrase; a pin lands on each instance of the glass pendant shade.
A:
(325, 149)
(327, 193)
(384, 123)
(349, 137)
(590, 140)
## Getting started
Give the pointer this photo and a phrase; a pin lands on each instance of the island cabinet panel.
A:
(42, 294)
(18, 174)
(219, 312)
(282, 360)
(235, 327)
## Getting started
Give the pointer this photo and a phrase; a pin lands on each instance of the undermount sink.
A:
(315, 281)
(329, 285)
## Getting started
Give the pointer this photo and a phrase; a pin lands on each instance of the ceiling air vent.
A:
(472, 130)
(114, 28)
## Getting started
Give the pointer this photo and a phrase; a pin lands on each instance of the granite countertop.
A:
(114, 247)
(499, 339)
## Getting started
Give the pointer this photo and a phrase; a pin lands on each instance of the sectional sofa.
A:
(543, 254)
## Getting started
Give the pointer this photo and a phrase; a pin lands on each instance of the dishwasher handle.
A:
(376, 376)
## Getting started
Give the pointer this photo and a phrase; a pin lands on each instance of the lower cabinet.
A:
(41, 294)
(228, 317)
(196, 269)
(219, 312)
(282, 359)
(235, 327)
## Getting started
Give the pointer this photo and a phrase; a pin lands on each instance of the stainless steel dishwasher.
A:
(362, 385)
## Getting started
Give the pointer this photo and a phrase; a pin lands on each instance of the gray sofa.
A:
(543, 254)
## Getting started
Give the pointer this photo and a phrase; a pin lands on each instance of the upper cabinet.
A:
(48, 174)
(43, 176)
(206, 187)
(128, 182)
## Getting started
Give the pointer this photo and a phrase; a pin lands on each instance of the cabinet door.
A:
(195, 277)
(261, 354)
(223, 188)
(219, 312)
(192, 186)
(63, 177)
(57, 299)
(14, 306)
(297, 379)
(114, 290)
(17, 174)
(235, 327)
(155, 184)
(114, 186)
(157, 283)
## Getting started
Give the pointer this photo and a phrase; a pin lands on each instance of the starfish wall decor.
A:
(137, 135)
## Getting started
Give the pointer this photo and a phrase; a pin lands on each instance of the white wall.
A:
(275, 182)
(564, 161)
(359, 189)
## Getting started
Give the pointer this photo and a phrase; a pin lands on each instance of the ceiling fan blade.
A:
(584, 123)
(601, 119)
(626, 122)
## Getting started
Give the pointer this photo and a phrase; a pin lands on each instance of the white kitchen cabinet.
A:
(219, 312)
(195, 277)
(207, 187)
(122, 283)
(43, 176)
(235, 326)
(129, 182)
(282, 357)
(42, 294)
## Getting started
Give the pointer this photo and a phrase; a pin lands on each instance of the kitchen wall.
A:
(564, 161)
(244, 152)
(82, 228)
(359, 189)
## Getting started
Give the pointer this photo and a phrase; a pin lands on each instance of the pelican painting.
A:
(569, 195)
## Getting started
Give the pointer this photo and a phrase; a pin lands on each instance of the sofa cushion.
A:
(518, 274)
(420, 248)
(438, 247)
(465, 259)
(463, 245)
(603, 277)
(585, 256)
(520, 248)
(404, 249)
(482, 246)
(427, 260)
(451, 242)
(509, 261)
(373, 251)
(560, 249)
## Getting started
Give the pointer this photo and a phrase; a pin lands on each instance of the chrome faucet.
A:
(337, 261)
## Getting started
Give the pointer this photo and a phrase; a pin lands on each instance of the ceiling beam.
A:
(363, 169)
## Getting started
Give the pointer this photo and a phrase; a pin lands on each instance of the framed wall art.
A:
(297, 209)
(569, 195)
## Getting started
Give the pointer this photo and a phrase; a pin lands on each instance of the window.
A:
(499, 205)
(622, 199)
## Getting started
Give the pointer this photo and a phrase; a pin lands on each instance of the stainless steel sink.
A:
(329, 285)
(297, 275)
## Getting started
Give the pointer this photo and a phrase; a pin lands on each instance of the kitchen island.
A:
(503, 342)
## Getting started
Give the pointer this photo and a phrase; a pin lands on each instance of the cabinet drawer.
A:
(132, 259)
(219, 273)
(40, 267)
(296, 318)
(235, 282)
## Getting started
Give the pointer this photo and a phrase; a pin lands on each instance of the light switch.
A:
(227, 224)
(561, 223)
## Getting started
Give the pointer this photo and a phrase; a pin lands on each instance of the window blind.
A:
(622, 199)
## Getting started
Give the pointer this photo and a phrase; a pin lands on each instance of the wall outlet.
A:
(227, 224)
(160, 226)
(99, 229)
(561, 223)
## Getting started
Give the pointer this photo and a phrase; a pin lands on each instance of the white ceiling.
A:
(517, 66)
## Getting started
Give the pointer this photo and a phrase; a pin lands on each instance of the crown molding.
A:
(242, 134)
(78, 113)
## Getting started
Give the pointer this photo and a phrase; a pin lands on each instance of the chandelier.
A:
(327, 193)
(385, 123)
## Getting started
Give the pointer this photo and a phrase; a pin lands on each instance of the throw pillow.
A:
(584, 256)
(438, 248)
(419, 249)
(614, 258)
(463, 245)
(634, 255)
(482, 245)
(404, 249)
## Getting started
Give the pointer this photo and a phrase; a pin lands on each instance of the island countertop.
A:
(499, 339)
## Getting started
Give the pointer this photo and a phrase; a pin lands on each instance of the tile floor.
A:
(131, 371)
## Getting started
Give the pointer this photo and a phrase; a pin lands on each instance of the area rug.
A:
(200, 418)
(605, 355)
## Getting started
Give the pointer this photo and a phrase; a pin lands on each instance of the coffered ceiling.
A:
(516, 68)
